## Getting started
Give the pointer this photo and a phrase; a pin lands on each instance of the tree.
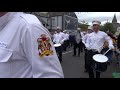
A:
(108, 27)
(83, 25)
(83, 22)
(102, 28)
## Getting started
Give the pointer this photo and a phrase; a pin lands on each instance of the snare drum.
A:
(58, 48)
(100, 63)
(57, 45)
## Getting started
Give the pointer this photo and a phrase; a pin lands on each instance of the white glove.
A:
(111, 47)
(61, 42)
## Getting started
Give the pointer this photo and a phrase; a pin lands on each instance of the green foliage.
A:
(83, 25)
(108, 27)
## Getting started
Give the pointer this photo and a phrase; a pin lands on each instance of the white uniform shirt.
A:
(20, 54)
(82, 34)
(54, 36)
(78, 38)
(66, 36)
(59, 38)
(96, 40)
(84, 39)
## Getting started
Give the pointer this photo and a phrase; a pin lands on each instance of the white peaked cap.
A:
(64, 31)
(58, 27)
(96, 22)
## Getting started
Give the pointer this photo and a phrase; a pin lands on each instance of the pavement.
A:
(73, 66)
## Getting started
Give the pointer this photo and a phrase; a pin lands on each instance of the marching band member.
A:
(26, 48)
(66, 40)
(82, 47)
(94, 45)
(89, 30)
(59, 38)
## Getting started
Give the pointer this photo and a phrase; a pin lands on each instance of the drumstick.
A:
(107, 51)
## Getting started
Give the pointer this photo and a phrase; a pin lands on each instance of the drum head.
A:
(57, 45)
(100, 58)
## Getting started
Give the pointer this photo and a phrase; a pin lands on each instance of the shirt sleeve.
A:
(82, 35)
(63, 38)
(84, 39)
(66, 36)
(54, 38)
(107, 38)
(87, 44)
(41, 54)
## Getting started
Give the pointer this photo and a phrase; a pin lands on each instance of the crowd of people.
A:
(67, 40)
(91, 42)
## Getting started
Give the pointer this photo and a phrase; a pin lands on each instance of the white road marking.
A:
(66, 52)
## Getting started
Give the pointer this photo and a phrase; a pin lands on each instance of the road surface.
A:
(73, 66)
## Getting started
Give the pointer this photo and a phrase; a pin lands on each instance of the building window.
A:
(53, 21)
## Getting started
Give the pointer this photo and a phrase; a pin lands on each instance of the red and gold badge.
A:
(44, 46)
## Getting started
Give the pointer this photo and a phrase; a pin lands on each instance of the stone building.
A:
(115, 23)
(65, 20)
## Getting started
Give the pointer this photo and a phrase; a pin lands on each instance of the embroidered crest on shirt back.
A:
(44, 46)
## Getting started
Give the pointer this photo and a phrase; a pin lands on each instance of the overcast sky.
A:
(102, 16)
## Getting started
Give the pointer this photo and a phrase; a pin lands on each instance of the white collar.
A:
(97, 32)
